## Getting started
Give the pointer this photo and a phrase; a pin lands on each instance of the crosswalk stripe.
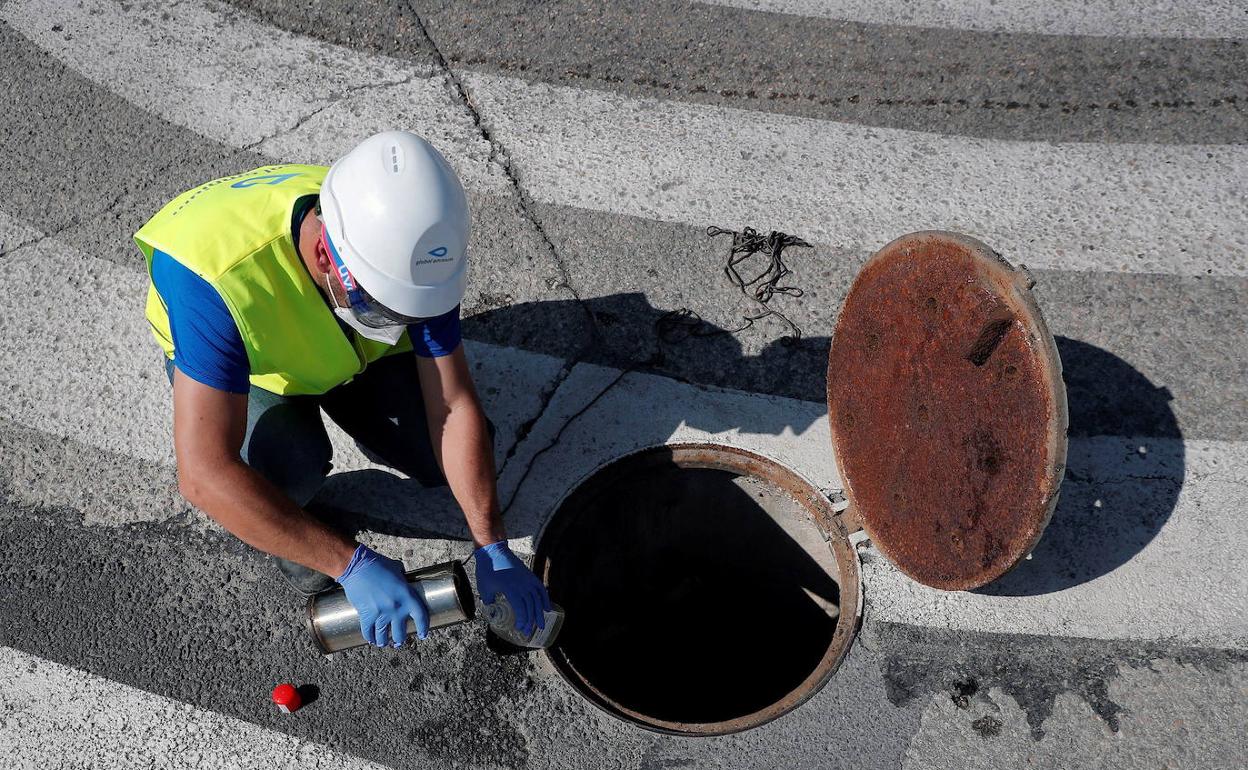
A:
(55, 716)
(122, 419)
(1116, 487)
(1081, 207)
(92, 379)
(1134, 18)
(1050, 87)
(1184, 711)
(247, 85)
(1132, 512)
(1180, 484)
(1129, 208)
(121, 403)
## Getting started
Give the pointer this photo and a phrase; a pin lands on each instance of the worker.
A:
(291, 289)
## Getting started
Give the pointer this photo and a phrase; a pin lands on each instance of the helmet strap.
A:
(333, 298)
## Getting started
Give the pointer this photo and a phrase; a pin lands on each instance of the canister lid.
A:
(947, 409)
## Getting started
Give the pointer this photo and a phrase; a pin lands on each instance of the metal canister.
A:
(335, 624)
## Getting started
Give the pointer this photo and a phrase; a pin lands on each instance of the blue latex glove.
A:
(499, 571)
(377, 589)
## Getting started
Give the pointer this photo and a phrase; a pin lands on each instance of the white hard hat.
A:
(397, 217)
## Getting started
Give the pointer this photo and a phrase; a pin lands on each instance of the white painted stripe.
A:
(53, 716)
(246, 84)
(95, 374)
(841, 184)
(1139, 208)
(97, 378)
(1116, 18)
(1186, 582)
(122, 405)
(1136, 208)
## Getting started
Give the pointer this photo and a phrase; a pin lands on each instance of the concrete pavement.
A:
(593, 161)
(1203, 19)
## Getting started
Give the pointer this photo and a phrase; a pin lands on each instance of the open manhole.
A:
(707, 589)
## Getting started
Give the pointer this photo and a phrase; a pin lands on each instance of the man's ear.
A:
(323, 261)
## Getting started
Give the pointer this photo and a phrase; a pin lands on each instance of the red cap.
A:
(287, 697)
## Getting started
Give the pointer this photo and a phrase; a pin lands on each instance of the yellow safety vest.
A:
(234, 233)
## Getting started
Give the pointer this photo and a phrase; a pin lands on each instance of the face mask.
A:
(387, 335)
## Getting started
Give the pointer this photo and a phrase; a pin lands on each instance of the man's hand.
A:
(380, 593)
(499, 571)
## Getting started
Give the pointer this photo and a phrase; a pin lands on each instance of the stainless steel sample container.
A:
(335, 624)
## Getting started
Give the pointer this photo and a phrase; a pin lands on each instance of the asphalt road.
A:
(1105, 145)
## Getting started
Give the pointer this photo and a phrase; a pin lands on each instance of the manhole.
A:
(708, 590)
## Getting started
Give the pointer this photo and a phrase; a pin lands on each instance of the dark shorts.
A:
(381, 409)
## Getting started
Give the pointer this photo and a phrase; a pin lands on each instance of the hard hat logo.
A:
(438, 252)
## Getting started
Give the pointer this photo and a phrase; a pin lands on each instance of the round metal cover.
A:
(948, 410)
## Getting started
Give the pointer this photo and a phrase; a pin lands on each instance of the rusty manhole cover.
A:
(947, 409)
(707, 589)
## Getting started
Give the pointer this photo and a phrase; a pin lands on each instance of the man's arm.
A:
(461, 441)
(208, 430)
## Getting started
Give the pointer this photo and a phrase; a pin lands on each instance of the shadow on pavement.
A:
(308, 694)
(1113, 500)
(1117, 495)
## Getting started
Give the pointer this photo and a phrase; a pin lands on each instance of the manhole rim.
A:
(744, 462)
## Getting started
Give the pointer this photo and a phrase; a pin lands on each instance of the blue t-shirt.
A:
(208, 347)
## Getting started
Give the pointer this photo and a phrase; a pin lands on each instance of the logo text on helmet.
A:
(348, 282)
(438, 252)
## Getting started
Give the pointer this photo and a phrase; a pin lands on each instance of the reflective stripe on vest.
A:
(234, 233)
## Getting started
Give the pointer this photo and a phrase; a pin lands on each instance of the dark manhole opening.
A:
(702, 594)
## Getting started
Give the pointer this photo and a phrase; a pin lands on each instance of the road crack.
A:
(76, 221)
(333, 99)
(498, 154)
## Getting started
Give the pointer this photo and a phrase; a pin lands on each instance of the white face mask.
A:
(387, 335)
